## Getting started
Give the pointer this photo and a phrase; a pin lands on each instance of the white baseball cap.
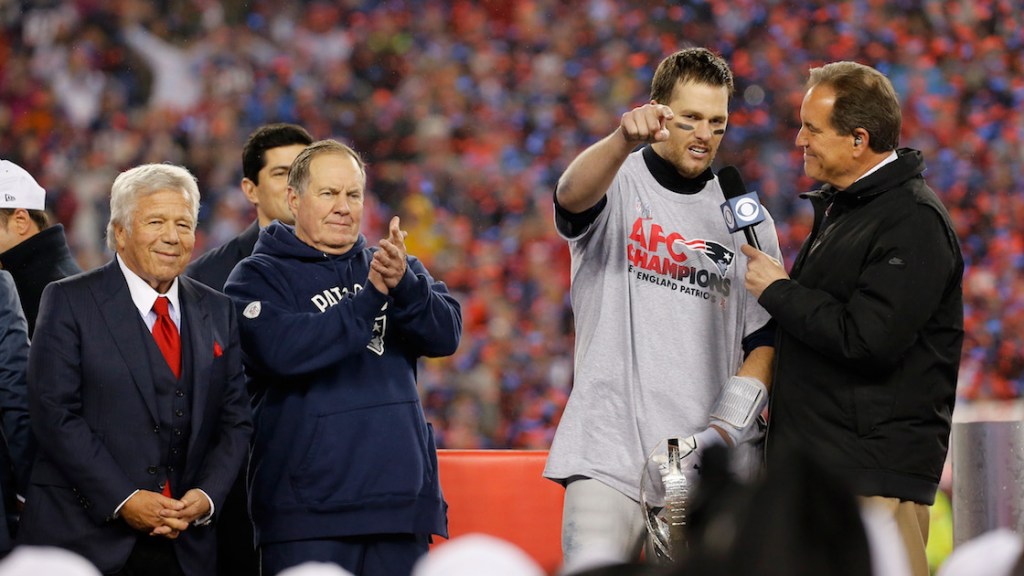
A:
(312, 568)
(994, 553)
(476, 553)
(42, 560)
(18, 189)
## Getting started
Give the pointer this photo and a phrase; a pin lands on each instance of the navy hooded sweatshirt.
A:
(341, 446)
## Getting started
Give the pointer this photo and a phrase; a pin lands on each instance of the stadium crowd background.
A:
(467, 112)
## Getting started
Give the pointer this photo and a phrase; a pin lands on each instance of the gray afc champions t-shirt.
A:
(660, 311)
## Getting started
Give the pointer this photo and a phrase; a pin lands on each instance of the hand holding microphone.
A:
(762, 271)
(742, 211)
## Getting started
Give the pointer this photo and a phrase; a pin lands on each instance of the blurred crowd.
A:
(468, 111)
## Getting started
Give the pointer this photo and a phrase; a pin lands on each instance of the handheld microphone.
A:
(741, 209)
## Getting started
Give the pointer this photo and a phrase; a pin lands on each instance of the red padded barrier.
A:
(503, 493)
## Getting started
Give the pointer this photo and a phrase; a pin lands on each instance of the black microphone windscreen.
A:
(731, 181)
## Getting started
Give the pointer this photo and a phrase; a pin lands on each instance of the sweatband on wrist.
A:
(741, 400)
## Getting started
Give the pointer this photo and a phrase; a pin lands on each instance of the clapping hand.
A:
(389, 263)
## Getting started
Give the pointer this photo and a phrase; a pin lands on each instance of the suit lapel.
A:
(122, 319)
(199, 330)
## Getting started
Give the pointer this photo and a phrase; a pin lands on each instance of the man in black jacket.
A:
(266, 158)
(870, 319)
(33, 251)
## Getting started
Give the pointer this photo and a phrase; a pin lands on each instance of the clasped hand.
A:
(158, 515)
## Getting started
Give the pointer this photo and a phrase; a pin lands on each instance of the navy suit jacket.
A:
(15, 452)
(93, 408)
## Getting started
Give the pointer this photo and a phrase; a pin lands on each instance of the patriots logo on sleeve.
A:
(376, 344)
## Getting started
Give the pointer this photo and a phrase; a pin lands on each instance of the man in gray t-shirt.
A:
(668, 342)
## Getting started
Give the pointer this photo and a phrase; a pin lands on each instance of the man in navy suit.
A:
(15, 447)
(136, 394)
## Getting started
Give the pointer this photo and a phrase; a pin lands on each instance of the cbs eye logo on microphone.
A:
(742, 211)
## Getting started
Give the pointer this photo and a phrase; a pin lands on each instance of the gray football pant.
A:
(600, 526)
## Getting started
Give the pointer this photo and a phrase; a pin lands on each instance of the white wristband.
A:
(740, 402)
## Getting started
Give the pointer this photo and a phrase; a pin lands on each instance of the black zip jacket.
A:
(36, 262)
(870, 329)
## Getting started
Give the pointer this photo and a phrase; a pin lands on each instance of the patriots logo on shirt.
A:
(642, 208)
(721, 256)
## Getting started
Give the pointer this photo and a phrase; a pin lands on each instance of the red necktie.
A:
(166, 335)
(167, 339)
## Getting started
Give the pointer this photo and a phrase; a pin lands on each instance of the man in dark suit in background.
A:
(15, 448)
(266, 157)
(136, 394)
(33, 251)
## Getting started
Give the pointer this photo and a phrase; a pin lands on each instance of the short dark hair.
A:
(40, 217)
(267, 137)
(865, 99)
(689, 65)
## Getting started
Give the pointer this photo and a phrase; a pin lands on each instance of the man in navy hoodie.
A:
(343, 466)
